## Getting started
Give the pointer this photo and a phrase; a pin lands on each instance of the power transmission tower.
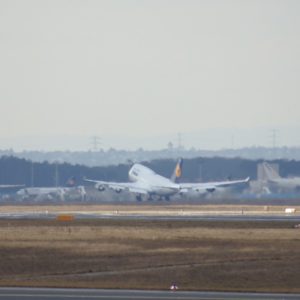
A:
(96, 141)
(274, 133)
(179, 138)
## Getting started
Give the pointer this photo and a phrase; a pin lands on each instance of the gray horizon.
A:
(144, 71)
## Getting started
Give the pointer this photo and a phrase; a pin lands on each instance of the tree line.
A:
(21, 171)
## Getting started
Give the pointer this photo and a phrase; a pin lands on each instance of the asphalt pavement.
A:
(204, 217)
(67, 294)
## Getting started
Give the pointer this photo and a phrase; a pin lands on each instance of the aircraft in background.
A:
(275, 181)
(145, 181)
(6, 190)
(11, 186)
(52, 192)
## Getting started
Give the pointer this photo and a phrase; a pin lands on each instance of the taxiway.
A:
(64, 294)
(154, 217)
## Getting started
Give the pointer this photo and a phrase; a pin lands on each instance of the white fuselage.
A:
(274, 180)
(41, 191)
(286, 183)
(145, 181)
(155, 184)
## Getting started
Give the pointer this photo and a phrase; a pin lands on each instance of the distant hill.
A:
(116, 157)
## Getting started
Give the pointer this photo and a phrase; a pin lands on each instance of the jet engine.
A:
(203, 191)
(117, 190)
(100, 188)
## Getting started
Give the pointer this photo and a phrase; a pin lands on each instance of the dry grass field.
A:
(244, 256)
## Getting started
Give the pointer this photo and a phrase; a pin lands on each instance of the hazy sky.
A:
(143, 69)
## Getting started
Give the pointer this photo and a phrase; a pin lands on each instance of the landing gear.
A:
(152, 197)
(162, 198)
(138, 197)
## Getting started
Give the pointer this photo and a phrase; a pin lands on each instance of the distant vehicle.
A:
(173, 287)
(52, 192)
(145, 181)
(276, 182)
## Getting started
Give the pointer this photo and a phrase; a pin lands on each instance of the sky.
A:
(137, 73)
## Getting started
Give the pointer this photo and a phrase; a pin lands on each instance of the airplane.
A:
(7, 189)
(10, 186)
(48, 192)
(145, 181)
(275, 181)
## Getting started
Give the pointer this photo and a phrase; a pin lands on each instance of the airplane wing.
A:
(118, 186)
(210, 186)
(7, 186)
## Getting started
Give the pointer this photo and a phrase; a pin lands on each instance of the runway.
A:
(63, 294)
(161, 217)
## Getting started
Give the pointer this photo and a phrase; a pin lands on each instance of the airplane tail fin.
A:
(270, 172)
(177, 171)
